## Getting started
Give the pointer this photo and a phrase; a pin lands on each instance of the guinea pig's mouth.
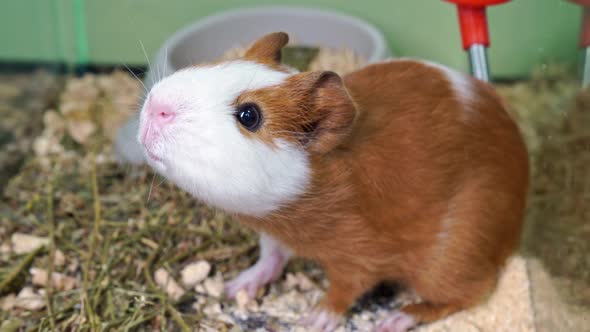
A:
(155, 161)
(152, 155)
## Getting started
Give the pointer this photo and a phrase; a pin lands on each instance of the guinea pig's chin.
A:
(157, 163)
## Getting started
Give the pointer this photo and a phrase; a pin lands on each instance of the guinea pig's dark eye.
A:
(249, 116)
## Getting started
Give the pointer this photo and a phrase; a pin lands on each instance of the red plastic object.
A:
(473, 22)
(585, 29)
(483, 3)
(585, 32)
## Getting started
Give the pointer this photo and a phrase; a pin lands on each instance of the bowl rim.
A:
(160, 61)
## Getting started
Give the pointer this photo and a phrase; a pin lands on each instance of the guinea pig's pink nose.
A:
(160, 112)
(158, 115)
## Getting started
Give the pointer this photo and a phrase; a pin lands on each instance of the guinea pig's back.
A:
(418, 111)
(423, 134)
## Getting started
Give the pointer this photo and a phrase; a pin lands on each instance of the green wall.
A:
(524, 33)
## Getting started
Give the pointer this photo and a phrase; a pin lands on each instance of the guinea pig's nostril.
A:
(160, 111)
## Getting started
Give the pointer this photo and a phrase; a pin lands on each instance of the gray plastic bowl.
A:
(210, 38)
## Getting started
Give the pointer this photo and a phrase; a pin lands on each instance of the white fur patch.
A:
(204, 152)
(460, 83)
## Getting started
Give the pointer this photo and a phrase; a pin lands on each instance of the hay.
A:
(554, 114)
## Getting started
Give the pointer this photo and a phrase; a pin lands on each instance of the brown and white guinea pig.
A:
(403, 171)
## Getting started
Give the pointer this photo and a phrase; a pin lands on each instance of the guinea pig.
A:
(403, 171)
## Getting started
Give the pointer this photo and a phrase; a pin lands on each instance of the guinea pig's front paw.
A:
(268, 268)
(397, 321)
(321, 319)
(252, 279)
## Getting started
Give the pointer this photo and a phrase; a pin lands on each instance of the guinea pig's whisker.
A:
(295, 134)
(147, 59)
(132, 105)
(165, 62)
(157, 70)
(137, 78)
(159, 184)
(144, 52)
(288, 132)
(151, 187)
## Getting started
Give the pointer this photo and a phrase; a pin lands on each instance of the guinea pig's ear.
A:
(331, 111)
(268, 48)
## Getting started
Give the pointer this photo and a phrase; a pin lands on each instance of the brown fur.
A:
(267, 50)
(410, 183)
(310, 99)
